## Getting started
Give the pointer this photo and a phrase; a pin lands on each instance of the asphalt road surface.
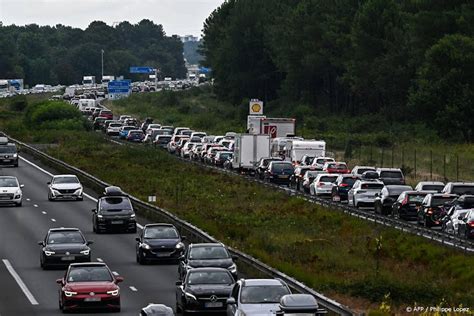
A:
(25, 289)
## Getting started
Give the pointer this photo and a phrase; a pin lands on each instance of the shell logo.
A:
(256, 107)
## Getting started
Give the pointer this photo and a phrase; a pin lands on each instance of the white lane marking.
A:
(28, 199)
(115, 273)
(100, 260)
(134, 289)
(53, 220)
(50, 174)
(35, 205)
(20, 282)
(44, 212)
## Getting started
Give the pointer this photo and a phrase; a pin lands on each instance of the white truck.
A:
(278, 144)
(88, 80)
(107, 79)
(4, 86)
(248, 149)
(275, 127)
(85, 103)
(296, 149)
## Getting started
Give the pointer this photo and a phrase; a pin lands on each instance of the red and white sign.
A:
(270, 130)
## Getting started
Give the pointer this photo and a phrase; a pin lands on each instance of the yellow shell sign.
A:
(256, 107)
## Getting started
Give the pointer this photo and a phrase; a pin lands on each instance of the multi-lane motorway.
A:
(26, 289)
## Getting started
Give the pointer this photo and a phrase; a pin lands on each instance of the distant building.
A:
(189, 38)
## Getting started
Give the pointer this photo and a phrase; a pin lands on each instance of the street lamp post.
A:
(102, 60)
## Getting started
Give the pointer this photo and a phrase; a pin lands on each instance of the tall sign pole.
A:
(102, 62)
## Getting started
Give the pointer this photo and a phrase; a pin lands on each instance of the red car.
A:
(108, 115)
(89, 286)
(336, 167)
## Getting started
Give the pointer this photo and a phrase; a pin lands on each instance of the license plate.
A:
(117, 222)
(213, 304)
(162, 254)
(283, 176)
(6, 160)
(68, 258)
(92, 299)
(4, 198)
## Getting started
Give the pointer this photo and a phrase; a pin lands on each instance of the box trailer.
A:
(275, 127)
(248, 149)
(296, 149)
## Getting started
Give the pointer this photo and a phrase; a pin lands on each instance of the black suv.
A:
(279, 172)
(433, 209)
(262, 165)
(114, 212)
(343, 184)
(207, 255)
(8, 153)
(159, 242)
(384, 200)
(408, 204)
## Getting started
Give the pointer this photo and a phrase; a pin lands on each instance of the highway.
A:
(26, 289)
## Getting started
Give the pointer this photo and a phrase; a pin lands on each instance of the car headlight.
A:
(146, 246)
(15, 155)
(78, 191)
(190, 296)
(69, 293)
(99, 216)
(18, 192)
(232, 268)
(132, 216)
(179, 245)
(114, 292)
(48, 253)
(85, 252)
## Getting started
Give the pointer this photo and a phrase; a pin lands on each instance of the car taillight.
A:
(430, 211)
(405, 200)
(471, 224)
(320, 184)
(343, 185)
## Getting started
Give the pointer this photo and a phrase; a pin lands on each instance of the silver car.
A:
(256, 297)
(65, 186)
(363, 193)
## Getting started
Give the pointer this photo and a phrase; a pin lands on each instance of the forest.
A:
(405, 60)
(63, 55)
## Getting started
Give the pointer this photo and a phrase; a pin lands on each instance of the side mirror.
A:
(235, 258)
(231, 301)
(118, 279)
(48, 182)
(137, 239)
(93, 211)
(60, 281)
(22, 185)
(179, 283)
(89, 242)
(41, 243)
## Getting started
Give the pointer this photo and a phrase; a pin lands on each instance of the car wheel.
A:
(141, 260)
(80, 198)
(426, 224)
(15, 165)
(50, 198)
(116, 310)
(354, 203)
(178, 308)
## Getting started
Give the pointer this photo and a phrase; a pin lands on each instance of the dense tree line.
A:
(408, 59)
(62, 54)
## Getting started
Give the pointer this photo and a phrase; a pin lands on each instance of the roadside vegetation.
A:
(354, 261)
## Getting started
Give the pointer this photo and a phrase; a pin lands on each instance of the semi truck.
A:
(275, 127)
(107, 79)
(88, 80)
(248, 149)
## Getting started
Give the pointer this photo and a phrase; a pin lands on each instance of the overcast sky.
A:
(180, 17)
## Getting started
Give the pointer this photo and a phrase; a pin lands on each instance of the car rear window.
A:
(116, 203)
(372, 186)
(416, 198)
(341, 166)
(463, 189)
(349, 180)
(362, 170)
(282, 167)
(321, 161)
(432, 187)
(391, 174)
(468, 202)
(327, 179)
(440, 200)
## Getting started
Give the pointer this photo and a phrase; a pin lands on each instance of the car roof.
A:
(443, 195)
(208, 269)
(65, 175)
(88, 264)
(8, 177)
(63, 229)
(389, 169)
(461, 183)
(158, 225)
(430, 182)
(258, 282)
(206, 245)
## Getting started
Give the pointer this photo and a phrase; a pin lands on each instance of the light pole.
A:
(102, 59)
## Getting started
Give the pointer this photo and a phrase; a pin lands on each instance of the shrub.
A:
(18, 103)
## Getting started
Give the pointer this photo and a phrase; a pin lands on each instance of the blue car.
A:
(123, 133)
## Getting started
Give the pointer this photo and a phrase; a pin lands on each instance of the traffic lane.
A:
(117, 250)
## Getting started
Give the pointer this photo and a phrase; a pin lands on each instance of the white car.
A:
(114, 128)
(322, 184)
(65, 186)
(363, 193)
(319, 162)
(430, 186)
(452, 224)
(10, 191)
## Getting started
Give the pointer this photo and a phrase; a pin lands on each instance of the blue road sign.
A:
(119, 86)
(142, 70)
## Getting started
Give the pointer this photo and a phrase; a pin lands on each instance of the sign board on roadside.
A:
(255, 107)
(119, 89)
(270, 130)
(142, 70)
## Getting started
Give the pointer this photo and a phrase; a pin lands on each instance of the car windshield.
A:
(391, 174)
(282, 167)
(416, 198)
(372, 186)
(327, 179)
(161, 232)
(60, 180)
(204, 253)
(463, 189)
(8, 182)
(65, 237)
(262, 294)
(225, 155)
(433, 187)
(89, 274)
(209, 277)
(440, 200)
(349, 180)
(116, 204)
(8, 149)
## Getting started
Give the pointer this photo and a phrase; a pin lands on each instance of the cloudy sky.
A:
(177, 16)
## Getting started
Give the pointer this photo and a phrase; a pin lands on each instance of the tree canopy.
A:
(63, 55)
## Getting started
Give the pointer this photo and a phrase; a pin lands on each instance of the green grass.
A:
(329, 251)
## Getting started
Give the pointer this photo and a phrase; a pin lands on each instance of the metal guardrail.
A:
(194, 233)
